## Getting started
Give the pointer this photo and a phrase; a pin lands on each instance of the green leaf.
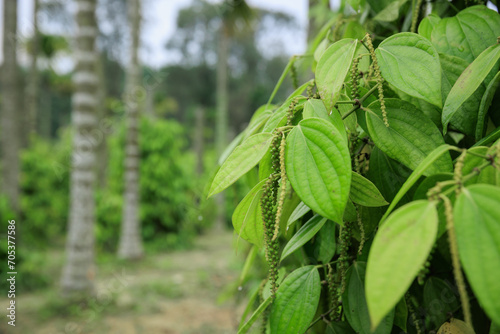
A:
(350, 214)
(356, 4)
(467, 34)
(296, 301)
(332, 69)
(262, 307)
(417, 173)
(316, 108)
(325, 243)
(303, 235)
(247, 217)
(364, 192)
(318, 166)
(485, 105)
(427, 25)
(387, 174)
(465, 118)
(490, 174)
(354, 30)
(378, 5)
(298, 213)
(391, 12)
(279, 116)
(253, 294)
(291, 202)
(401, 314)
(477, 225)
(469, 81)
(439, 300)
(410, 137)
(400, 248)
(410, 62)
(355, 307)
(243, 158)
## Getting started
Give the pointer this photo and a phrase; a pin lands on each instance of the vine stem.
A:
(322, 316)
(414, 20)
(359, 102)
(457, 269)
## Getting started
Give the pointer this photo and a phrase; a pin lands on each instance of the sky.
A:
(160, 20)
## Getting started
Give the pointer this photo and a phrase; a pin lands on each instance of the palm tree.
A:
(32, 87)
(130, 246)
(10, 116)
(78, 274)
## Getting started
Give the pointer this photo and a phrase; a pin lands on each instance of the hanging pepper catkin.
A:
(269, 207)
(378, 78)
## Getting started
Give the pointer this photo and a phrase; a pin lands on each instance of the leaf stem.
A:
(322, 316)
(359, 102)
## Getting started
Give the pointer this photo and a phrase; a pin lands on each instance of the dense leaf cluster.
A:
(395, 160)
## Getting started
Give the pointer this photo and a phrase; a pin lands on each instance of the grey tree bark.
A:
(130, 245)
(221, 125)
(11, 114)
(34, 81)
(102, 114)
(79, 270)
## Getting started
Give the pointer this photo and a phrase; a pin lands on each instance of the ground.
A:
(181, 292)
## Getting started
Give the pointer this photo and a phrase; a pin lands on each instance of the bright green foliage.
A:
(477, 217)
(469, 81)
(332, 70)
(247, 217)
(399, 249)
(468, 33)
(300, 289)
(410, 62)
(303, 235)
(390, 168)
(317, 162)
(243, 158)
(410, 137)
(364, 192)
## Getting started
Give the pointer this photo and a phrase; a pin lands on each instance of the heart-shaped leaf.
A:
(465, 117)
(316, 108)
(332, 69)
(306, 232)
(400, 248)
(468, 33)
(469, 81)
(247, 217)
(427, 25)
(318, 166)
(477, 225)
(354, 301)
(410, 137)
(240, 161)
(410, 62)
(296, 301)
(364, 192)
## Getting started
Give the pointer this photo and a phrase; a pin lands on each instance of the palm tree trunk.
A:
(79, 271)
(10, 115)
(33, 85)
(221, 126)
(130, 246)
(102, 114)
